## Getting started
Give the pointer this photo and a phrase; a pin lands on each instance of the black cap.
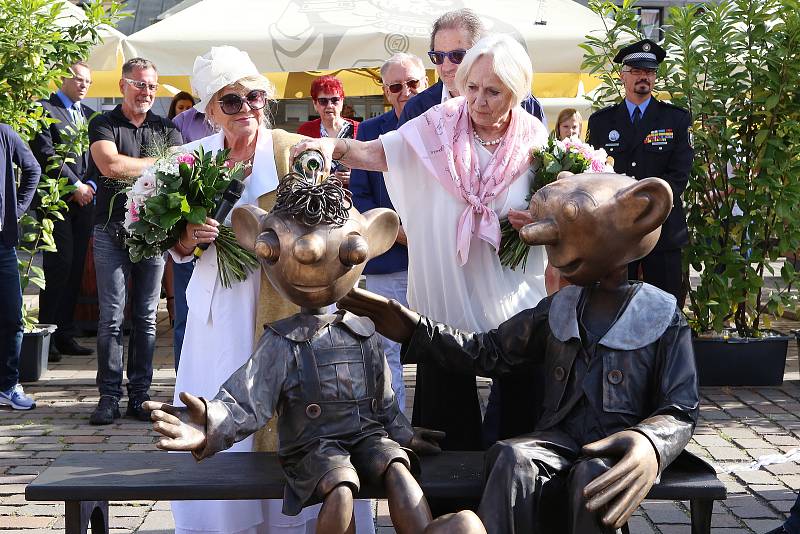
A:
(645, 54)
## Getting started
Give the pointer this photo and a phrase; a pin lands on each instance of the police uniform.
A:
(657, 146)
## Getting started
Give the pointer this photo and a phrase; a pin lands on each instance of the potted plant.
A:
(35, 56)
(734, 65)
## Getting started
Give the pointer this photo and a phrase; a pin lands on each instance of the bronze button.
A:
(313, 411)
(615, 376)
(559, 373)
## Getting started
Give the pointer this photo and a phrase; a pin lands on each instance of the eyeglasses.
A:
(81, 81)
(231, 104)
(323, 101)
(640, 72)
(455, 56)
(141, 86)
(397, 87)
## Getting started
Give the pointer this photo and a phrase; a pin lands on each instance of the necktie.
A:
(77, 116)
(637, 117)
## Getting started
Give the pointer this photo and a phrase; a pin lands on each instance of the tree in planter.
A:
(734, 65)
(37, 235)
(35, 53)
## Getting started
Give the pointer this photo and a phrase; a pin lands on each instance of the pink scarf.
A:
(444, 144)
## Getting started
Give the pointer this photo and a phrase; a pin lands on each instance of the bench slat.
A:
(162, 476)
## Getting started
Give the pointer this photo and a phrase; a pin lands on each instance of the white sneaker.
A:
(16, 398)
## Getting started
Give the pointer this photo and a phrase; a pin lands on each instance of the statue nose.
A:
(309, 249)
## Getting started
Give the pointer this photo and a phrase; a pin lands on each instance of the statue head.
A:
(595, 224)
(314, 245)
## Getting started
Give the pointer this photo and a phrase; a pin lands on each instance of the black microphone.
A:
(230, 196)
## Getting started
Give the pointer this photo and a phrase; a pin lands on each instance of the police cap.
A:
(645, 54)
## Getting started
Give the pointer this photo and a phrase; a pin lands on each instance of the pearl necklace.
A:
(487, 143)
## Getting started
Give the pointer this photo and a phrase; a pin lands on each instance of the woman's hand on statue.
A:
(325, 145)
(519, 218)
(426, 441)
(392, 319)
(184, 427)
(621, 489)
(196, 234)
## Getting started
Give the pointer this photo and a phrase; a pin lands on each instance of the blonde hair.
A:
(564, 115)
(510, 63)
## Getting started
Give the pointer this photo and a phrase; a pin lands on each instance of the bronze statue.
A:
(620, 397)
(324, 374)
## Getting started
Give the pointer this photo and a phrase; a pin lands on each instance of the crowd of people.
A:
(478, 120)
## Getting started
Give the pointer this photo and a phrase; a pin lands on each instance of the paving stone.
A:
(728, 453)
(756, 477)
(159, 522)
(782, 440)
(711, 441)
(24, 522)
(763, 525)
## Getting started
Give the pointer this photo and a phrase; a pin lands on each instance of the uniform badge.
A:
(646, 47)
(613, 135)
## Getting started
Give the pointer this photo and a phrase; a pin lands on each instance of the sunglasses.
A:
(231, 104)
(397, 87)
(323, 101)
(141, 86)
(455, 56)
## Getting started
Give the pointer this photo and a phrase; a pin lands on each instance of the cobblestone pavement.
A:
(736, 426)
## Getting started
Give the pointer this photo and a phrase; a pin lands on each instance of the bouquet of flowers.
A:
(571, 155)
(177, 189)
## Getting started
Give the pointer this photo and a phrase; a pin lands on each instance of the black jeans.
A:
(63, 269)
(10, 317)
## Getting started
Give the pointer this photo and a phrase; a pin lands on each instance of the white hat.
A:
(220, 67)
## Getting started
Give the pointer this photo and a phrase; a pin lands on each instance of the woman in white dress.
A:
(452, 174)
(223, 323)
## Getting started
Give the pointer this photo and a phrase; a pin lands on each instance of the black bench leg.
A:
(701, 515)
(79, 514)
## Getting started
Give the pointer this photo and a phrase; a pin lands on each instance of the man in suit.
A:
(403, 75)
(647, 137)
(63, 269)
(452, 35)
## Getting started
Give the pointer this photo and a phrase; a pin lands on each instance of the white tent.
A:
(304, 35)
(103, 56)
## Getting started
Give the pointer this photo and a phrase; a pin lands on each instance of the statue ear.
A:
(382, 226)
(246, 222)
(644, 206)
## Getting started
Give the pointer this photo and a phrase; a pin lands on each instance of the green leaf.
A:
(196, 215)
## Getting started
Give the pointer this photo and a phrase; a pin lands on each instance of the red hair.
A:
(327, 84)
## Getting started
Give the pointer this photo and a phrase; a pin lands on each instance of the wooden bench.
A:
(86, 482)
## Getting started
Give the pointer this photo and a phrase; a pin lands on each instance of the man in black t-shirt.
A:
(119, 143)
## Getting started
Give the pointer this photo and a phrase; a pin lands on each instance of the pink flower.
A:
(185, 158)
(598, 165)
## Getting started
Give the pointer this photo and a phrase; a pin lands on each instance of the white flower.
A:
(144, 187)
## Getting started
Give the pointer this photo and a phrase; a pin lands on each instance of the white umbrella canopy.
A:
(305, 35)
(103, 56)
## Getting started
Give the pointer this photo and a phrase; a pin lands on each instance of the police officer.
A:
(647, 137)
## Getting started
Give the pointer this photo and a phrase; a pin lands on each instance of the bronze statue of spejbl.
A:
(324, 374)
(620, 396)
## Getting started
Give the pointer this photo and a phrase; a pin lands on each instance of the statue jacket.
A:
(641, 374)
(326, 378)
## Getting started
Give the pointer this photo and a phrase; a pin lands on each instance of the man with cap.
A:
(647, 137)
